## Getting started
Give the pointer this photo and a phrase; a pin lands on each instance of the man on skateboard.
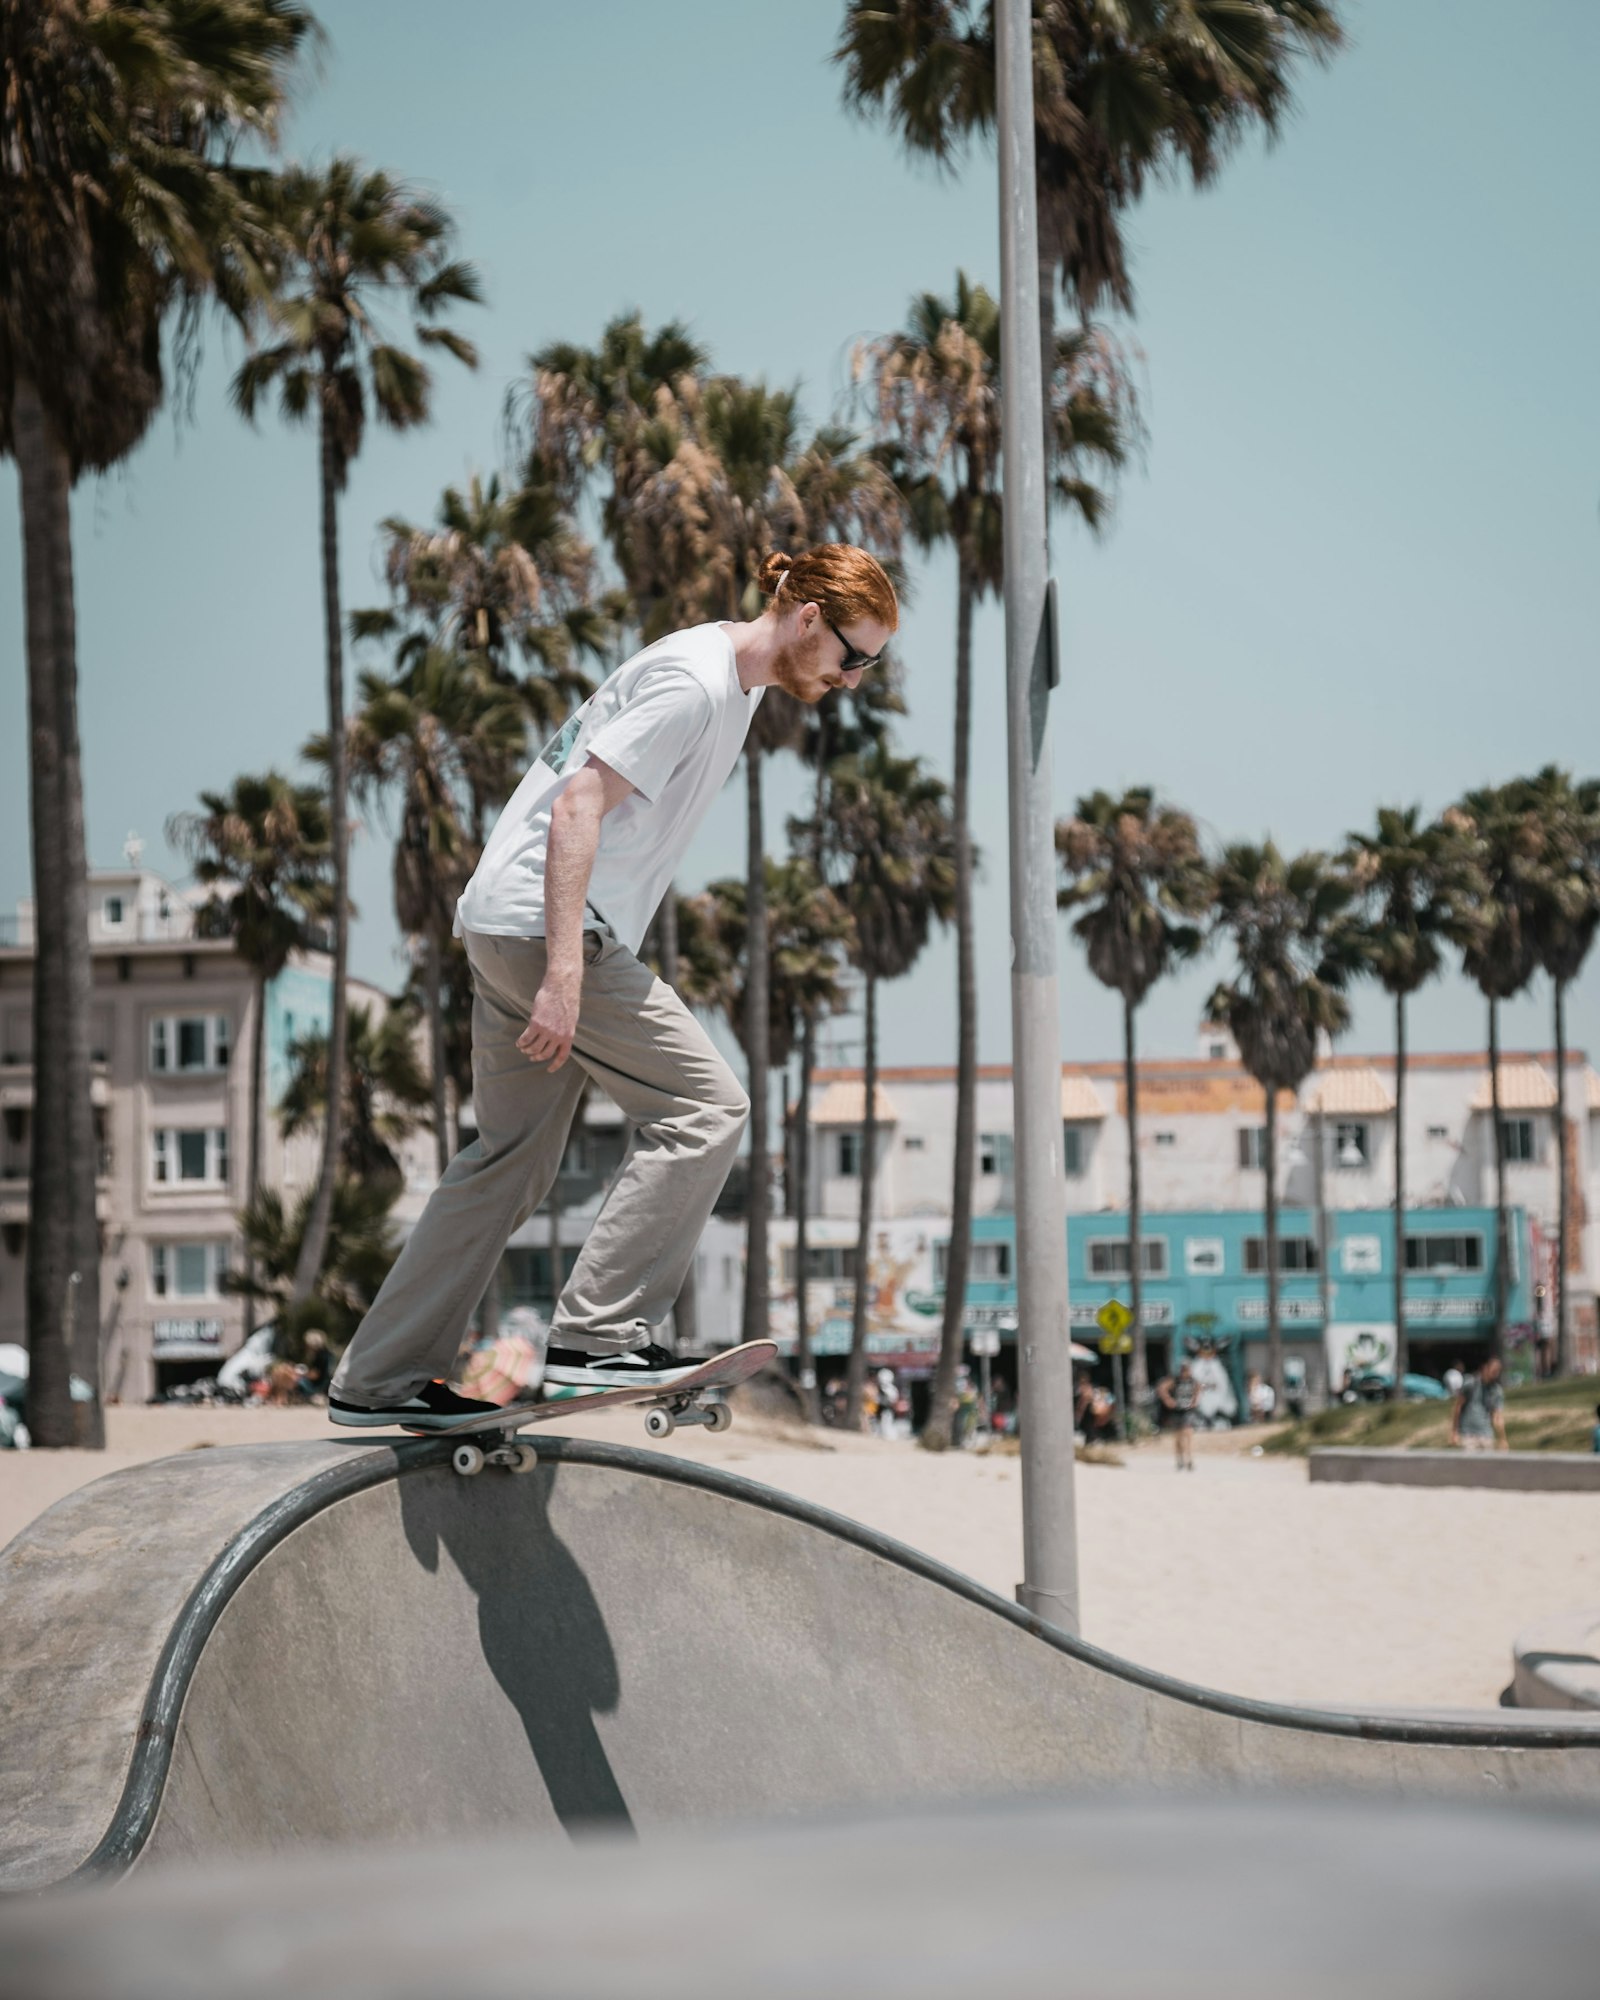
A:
(553, 920)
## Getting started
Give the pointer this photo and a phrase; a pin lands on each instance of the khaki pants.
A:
(688, 1110)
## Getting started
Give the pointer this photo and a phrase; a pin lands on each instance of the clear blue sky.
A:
(1358, 563)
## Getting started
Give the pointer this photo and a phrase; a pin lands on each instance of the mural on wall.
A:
(904, 1300)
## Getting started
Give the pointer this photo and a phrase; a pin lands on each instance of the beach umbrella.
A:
(1082, 1353)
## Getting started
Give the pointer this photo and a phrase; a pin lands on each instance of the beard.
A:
(798, 672)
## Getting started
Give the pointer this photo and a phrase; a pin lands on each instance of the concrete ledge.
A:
(1557, 1663)
(1501, 1471)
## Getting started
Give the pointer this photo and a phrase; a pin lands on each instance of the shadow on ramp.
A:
(543, 1638)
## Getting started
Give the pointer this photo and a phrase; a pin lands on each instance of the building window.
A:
(1202, 1256)
(1295, 1253)
(1252, 1145)
(1438, 1131)
(111, 909)
(1166, 1138)
(1217, 1051)
(1352, 1143)
(990, 1261)
(994, 1153)
(850, 1155)
(913, 1142)
(198, 1157)
(1073, 1151)
(1108, 1257)
(187, 1270)
(1516, 1139)
(189, 1044)
(823, 1260)
(1460, 1251)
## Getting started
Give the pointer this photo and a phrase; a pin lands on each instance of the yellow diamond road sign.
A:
(1114, 1319)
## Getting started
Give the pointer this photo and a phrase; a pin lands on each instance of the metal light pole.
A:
(1049, 1584)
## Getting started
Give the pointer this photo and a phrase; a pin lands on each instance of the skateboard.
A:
(691, 1399)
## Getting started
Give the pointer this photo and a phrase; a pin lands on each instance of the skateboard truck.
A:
(470, 1458)
(663, 1418)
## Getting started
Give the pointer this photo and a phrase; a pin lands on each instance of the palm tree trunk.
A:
(685, 1308)
(1274, 1330)
(63, 1271)
(1502, 1233)
(856, 1373)
(258, 1091)
(1139, 1374)
(805, 1361)
(1402, 1352)
(1564, 1357)
(433, 1000)
(756, 1031)
(936, 1431)
(314, 1244)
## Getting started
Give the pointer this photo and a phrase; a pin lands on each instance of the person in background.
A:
(888, 1399)
(1178, 1396)
(1478, 1420)
(1454, 1378)
(1263, 1400)
(1594, 1441)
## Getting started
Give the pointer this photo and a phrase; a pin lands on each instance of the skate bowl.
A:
(243, 1652)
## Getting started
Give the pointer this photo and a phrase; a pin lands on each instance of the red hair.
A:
(844, 580)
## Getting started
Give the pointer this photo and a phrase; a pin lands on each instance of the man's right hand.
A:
(554, 1021)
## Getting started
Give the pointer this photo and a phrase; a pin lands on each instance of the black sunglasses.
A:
(852, 659)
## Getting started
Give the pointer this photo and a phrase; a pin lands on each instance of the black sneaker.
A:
(650, 1366)
(433, 1408)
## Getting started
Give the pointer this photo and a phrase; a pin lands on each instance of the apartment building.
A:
(174, 1018)
(1202, 1162)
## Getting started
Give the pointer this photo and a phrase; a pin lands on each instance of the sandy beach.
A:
(1241, 1575)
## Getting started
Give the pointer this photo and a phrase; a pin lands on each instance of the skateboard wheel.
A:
(525, 1459)
(659, 1424)
(467, 1459)
(718, 1417)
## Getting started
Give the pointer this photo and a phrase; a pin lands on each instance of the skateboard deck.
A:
(690, 1399)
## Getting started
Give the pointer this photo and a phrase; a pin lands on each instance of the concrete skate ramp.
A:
(242, 1651)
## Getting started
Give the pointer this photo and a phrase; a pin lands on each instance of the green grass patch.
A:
(1544, 1416)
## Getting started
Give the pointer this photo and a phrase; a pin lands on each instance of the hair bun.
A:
(776, 567)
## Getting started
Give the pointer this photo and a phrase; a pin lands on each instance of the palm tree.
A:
(1293, 960)
(807, 933)
(121, 211)
(894, 846)
(361, 1247)
(1402, 875)
(387, 1093)
(1135, 871)
(1565, 921)
(432, 737)
(1495, 899)
(355, 244)
(1121, 95)
(504, 575)
(936, 395)
(263, 850)
(848, 726)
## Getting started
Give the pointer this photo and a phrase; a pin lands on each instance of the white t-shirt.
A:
(672, 721)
